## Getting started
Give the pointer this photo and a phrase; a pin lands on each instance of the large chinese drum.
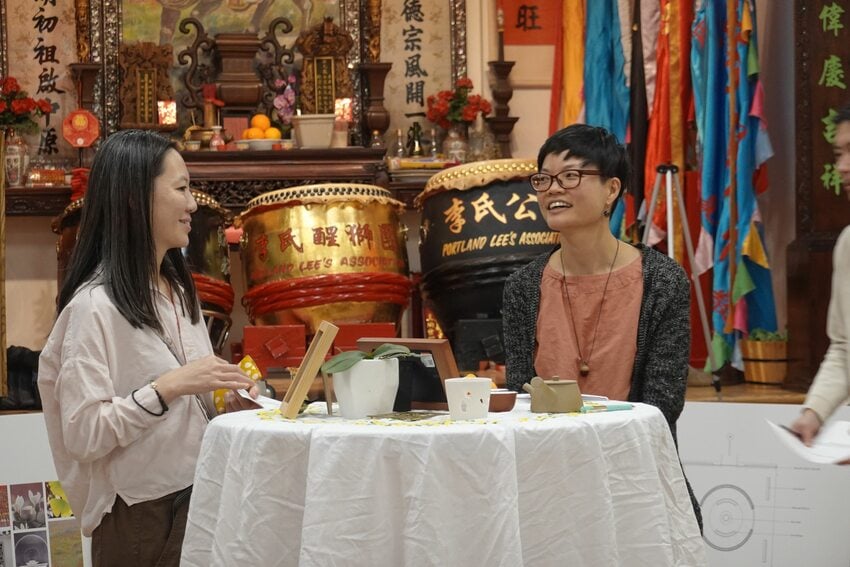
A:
(332, 252)
(66, 225)
(480, 223)
(207, 256)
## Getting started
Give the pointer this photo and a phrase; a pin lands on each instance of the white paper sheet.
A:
(263, 402)
(832, 444)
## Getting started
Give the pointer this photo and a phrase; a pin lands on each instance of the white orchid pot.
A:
(367, 388)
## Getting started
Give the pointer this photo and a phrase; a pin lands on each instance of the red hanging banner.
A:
(535, 22)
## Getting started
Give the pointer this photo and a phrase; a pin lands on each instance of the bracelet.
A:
(154, 386)
(133, 395)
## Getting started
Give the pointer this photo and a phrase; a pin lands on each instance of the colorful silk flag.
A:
(747, 301)
(605, 89)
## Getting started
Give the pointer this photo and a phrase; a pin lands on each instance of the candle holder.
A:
(500, 123)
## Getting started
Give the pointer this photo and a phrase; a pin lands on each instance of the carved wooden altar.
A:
(324, 76)
(144, 81)
(234, 178)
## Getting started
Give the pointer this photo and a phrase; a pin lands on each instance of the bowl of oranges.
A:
(261, 135)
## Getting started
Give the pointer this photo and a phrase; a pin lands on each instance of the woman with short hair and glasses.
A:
(613, 316)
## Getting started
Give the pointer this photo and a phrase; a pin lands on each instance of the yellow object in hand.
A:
(249, 367)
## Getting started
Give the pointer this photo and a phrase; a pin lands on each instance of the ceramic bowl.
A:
(263, 143)
(502, 400)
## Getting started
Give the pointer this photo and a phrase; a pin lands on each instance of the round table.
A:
(514, 489)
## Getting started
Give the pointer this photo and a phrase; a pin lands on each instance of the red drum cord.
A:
(329, 288)
(216, 292)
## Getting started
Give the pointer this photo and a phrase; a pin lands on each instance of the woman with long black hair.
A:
(127, 373)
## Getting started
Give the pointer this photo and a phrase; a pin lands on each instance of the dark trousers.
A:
(148, 534)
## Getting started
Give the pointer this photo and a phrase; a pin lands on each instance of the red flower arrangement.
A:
(18, 110)
(448, 107)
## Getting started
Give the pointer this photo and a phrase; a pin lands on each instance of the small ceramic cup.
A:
(469, 398)
(192, 145)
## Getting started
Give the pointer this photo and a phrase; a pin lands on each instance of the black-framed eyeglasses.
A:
(567, 179)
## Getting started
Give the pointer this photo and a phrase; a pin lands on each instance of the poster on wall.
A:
(416, 37)
(40, 43)
(37, 527)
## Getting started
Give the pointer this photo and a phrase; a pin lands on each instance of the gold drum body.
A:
(333, 251)
(66, 226)
(206, 256)
(208, 259)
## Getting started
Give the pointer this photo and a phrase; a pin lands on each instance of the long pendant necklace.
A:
(584, 363)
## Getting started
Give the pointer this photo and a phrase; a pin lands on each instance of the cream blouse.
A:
(103, 443)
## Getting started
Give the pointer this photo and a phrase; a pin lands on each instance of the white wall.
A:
(30, 280)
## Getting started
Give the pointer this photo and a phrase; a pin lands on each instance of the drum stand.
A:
(673, 191)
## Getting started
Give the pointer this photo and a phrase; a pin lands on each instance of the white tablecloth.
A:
(517, 489)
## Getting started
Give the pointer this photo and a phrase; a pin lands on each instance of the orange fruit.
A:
(273, 133)
(244, 134)
(254, 133)
(260, 121)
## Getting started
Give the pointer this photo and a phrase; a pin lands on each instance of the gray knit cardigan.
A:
(660, 372)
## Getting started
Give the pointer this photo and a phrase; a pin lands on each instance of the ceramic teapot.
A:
(553, 396)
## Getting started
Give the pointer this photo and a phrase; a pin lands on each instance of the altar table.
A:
(516, 489)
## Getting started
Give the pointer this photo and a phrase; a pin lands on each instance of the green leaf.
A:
(343, 361)
(389, 350)
(765, 335)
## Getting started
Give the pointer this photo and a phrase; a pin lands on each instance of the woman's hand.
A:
(235, 402)
(807, 426)
(201, 376)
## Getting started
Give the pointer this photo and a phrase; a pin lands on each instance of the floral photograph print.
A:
(27, 503)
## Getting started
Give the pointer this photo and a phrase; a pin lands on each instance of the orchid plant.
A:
(284, 100)
(345, 360)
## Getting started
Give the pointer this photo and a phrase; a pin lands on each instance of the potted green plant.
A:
(765, 355)
(366, 382)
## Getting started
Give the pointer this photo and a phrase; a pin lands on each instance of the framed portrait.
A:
(421, 380)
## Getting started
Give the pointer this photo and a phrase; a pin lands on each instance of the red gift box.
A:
(349, 333)
(275, 346)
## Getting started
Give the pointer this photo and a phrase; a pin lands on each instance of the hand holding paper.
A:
(831, 446)
(261, 402)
